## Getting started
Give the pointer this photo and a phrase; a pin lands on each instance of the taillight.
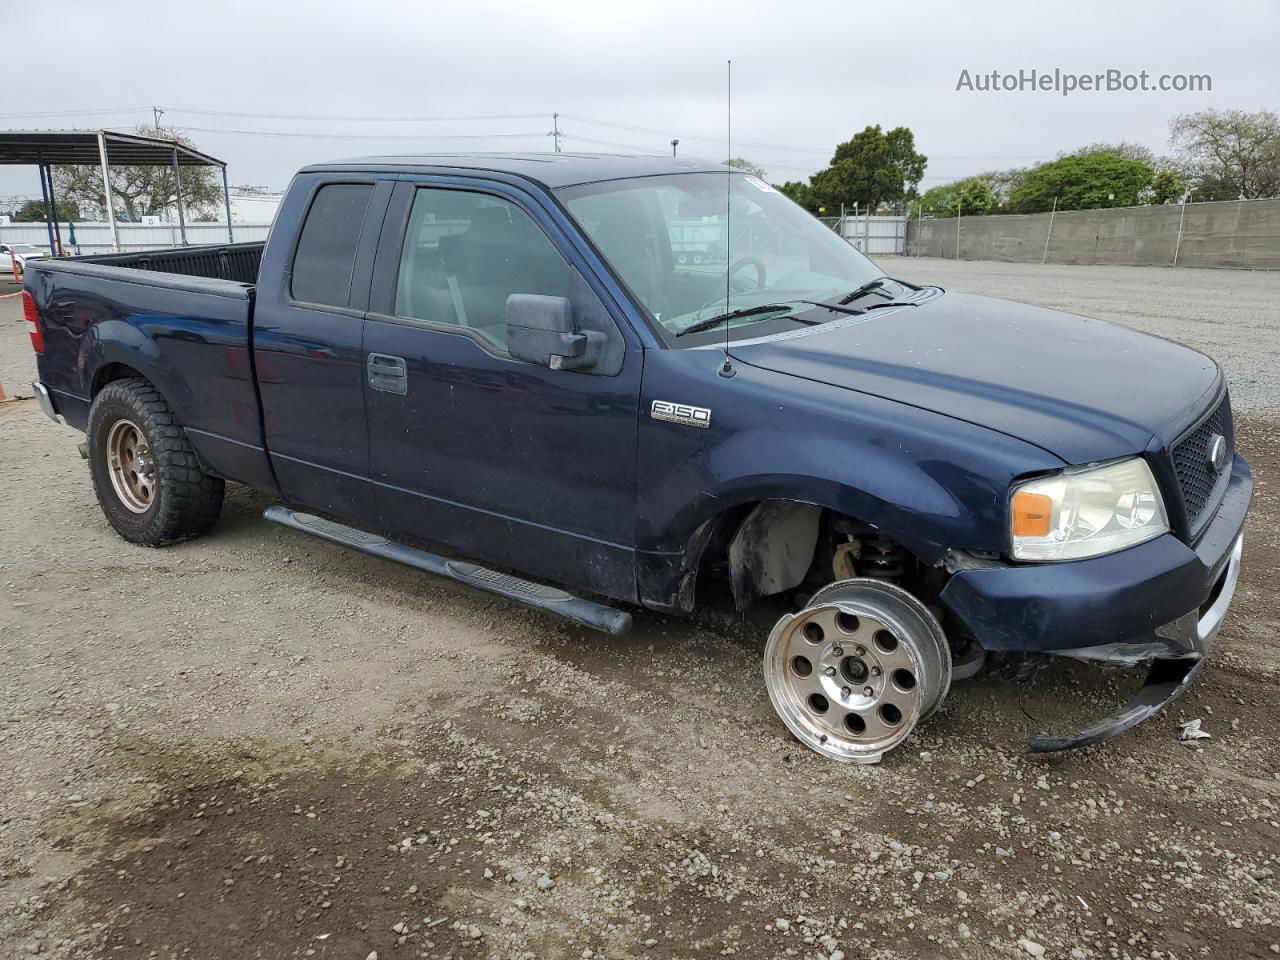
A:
(33, 324)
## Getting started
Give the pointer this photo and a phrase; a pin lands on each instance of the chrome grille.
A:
(1201, 486)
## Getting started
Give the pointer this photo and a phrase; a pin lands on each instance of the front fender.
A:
(930, 482)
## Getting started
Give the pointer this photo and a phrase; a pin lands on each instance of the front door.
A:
(505, 461)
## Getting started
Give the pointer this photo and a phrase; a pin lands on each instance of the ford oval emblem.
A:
(1217, 452)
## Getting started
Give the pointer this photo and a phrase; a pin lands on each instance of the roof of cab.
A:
(551, 170)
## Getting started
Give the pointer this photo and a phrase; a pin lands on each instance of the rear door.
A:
(308, 328)
(502, 460)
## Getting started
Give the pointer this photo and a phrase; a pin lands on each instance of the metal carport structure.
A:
(102, 148)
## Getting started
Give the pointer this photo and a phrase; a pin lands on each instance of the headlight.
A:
(1086, 512)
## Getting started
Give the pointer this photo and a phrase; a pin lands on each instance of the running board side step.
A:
(549, 599)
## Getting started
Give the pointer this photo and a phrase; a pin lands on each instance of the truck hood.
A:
(1082, 389)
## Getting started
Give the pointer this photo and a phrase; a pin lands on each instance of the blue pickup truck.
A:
(500, 369)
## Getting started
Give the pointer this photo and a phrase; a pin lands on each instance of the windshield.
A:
(666, 238)
(25, 248)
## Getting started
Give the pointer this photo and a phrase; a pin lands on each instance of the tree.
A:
(1167, 186)
(141, 191)
(1124, 148)
(1002, 183)
(869, 169)
(33, 211)
(746, 166)
(798, 192)
(971, 198)
(1231, 148)
(1083, 182)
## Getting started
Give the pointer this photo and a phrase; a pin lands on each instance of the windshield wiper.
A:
(863, 290)
(715, 321)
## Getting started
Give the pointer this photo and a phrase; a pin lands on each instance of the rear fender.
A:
(117, 341)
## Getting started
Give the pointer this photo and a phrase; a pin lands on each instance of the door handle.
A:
(387, 373)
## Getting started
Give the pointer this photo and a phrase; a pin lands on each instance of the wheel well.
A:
(769, 547)
(109, 372)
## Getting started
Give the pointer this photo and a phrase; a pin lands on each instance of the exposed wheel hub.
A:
(852, 673)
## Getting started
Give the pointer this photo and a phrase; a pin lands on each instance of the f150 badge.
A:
(681, 413)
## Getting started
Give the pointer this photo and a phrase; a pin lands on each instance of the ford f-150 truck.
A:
(505, 359)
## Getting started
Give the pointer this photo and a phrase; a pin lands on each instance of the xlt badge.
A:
(681, 413)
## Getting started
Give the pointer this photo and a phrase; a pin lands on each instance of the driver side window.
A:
(464, 253)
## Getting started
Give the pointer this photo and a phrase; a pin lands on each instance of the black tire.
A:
(183, 501)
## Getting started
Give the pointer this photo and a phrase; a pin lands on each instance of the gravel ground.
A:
(259, 745)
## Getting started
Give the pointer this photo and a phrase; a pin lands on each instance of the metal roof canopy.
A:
(102, 148)
(81, 148)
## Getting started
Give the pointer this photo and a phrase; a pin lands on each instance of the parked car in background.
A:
(505, 356)
(19, 254)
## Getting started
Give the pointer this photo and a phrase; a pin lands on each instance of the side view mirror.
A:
(540, 330)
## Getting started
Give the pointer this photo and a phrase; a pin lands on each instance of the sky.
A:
(805, 76)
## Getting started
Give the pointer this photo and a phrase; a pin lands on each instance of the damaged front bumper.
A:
(1125, 608)
(1168, 678)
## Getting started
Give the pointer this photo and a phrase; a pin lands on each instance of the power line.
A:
(72, 113)
(613, 143)
(363, 136)
(691, 136)
(355, 117)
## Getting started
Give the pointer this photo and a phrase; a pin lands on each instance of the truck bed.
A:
(232, 261)
(181, 318)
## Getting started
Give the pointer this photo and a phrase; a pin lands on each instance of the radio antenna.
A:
(726, 370)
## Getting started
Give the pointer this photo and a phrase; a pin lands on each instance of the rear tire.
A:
(145, 472)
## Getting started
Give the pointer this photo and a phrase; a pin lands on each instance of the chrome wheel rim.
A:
(131, 466)
(851, 674)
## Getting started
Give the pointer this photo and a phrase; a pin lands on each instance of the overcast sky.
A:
(806, 75)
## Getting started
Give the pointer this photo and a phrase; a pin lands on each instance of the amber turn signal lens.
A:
(1032, 513)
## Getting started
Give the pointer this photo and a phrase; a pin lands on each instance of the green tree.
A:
(746, 166)
(798, 192)
(1002, 183)
(144, 190)
(33, 211)
(871, 168)
(1230, 151)
(1167, 186)
(1206, 189)
(1123, 148)
(971, 197)
(1083, 182)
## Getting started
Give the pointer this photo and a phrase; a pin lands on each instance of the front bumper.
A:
(1124, 607)
(1162, 602)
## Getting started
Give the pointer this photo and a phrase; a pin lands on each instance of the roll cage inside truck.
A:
(510, 359)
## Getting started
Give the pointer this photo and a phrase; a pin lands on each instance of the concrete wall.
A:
(1240, 233)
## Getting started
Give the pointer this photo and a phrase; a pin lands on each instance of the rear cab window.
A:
(326, 254)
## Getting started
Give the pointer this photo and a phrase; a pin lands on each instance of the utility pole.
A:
(555, 130)
(157, 113)
(674, 144)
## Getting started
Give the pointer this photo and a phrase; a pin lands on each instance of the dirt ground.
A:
(258, 745)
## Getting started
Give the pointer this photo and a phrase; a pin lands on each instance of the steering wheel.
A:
(756, 262)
